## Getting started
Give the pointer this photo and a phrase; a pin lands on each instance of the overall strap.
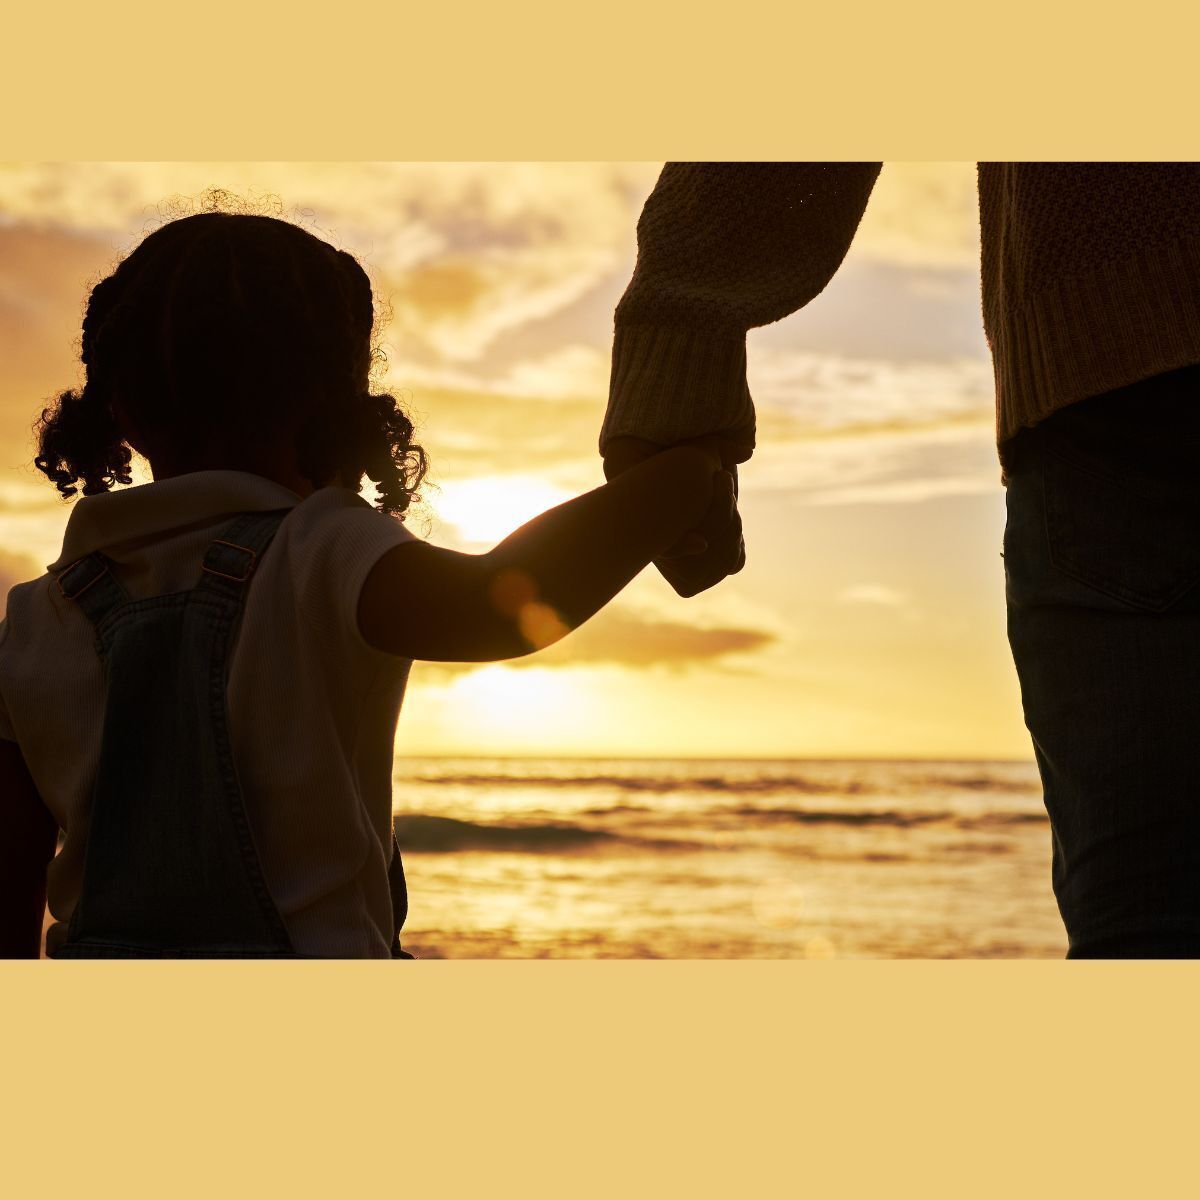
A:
(90, 583)
(232, 558)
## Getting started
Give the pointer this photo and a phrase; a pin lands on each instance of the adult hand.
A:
(715, 549)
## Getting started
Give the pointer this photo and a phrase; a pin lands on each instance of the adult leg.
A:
(1102, 563)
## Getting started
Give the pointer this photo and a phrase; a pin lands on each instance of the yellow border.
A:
(586, 1079)
(581, 1079)
(630, 79)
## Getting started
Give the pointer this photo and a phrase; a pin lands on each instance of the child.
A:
(202, 691)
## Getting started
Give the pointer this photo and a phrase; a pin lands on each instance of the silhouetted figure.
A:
(202, 692)
(1091, 306)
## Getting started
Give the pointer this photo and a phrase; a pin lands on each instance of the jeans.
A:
(1102, 562)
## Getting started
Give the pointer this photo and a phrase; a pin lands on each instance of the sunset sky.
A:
(869, 620)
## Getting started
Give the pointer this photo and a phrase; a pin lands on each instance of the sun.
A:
(487, 509)
(524, 702)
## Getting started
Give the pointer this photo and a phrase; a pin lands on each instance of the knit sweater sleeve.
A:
(722, 248)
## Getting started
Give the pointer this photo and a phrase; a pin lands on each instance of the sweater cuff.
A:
(669, 385)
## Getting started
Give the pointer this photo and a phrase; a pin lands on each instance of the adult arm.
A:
(28, 835)
(722, 248)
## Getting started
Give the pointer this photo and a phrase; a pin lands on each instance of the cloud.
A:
(456, 309)
(922, 214)
(871, 593)
(44, 280)
(568, 372)
(618, 636)
(910, 491)
(468, 204)
(502, 277)
(444, 287)
(465, 251)
(811, 393)
(919, 212)
(470, 433)
(621, 636)
(882, 466)
(892, 311)
(574, 371)
(548, 406)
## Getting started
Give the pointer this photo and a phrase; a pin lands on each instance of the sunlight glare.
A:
(499, 699)
(487, 509)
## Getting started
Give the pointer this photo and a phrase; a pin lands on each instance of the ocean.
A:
(689, 858)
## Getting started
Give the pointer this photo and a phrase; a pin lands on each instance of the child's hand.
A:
(721, 509)
(715, 447)
(721, 523)
(719, 534)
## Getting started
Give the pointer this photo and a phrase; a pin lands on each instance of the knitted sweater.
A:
(1090, 281)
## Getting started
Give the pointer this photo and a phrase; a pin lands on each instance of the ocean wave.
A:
(891, 817)
(814, 816)
(425, 833)
(977, 783)
(647, 783)
(987, 820)
(435, 835)
(731, 784)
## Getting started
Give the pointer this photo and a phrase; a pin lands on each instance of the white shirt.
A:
(312, 707)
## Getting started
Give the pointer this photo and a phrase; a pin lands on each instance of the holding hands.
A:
(715, 549)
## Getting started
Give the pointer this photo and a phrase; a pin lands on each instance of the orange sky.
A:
(869, 620)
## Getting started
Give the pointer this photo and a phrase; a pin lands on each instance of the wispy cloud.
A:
(923, 214)
(908, 491)
(569, 372)
(458, 308)
(806, 393)
(882, 465)
(871, 593)
(620, 636)
(466, 251)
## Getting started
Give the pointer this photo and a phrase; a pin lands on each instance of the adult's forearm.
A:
(722, 248)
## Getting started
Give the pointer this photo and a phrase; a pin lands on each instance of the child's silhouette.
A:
(202, 692)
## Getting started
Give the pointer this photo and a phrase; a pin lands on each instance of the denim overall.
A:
(170, 868)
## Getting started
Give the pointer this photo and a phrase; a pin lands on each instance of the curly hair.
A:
(231, 330)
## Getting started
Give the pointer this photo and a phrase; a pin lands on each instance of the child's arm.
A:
(28, 835)
(422, 601)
